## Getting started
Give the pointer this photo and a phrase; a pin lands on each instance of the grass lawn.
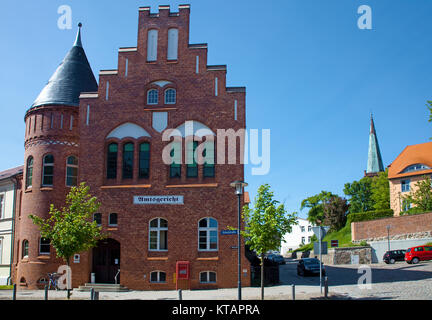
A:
(6, 287)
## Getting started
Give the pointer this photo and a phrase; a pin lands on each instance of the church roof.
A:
(73, 76)
(374, 164)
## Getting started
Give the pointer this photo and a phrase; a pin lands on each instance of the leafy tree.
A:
(381, 191)
(421, 198)
(70, 229)
(265, 225)
(315, 203)
(360, 195)
(335, 211)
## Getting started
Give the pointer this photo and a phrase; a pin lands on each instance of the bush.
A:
(369, 215)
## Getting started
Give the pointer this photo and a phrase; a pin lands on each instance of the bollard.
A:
(96, 295)
(46, 292)
(180, 297)
(326, 287)
(68, 293)
(293, 291)
(14, 292)
(92, 294)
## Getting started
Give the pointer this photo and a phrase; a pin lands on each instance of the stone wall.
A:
(347, 256)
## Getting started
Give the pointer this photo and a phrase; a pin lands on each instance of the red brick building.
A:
(110, 135)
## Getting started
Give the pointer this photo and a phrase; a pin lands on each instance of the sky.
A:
(312, 76)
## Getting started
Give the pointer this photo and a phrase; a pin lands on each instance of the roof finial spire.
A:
(78, 38)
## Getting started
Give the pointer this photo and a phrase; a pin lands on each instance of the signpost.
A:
(320, 233)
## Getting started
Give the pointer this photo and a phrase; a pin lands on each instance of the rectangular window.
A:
(172, 44)
(235, 110)
(88, 115)
(197, 65)
(175, 167)
(44, 246)
(107, 91)
(1, 250)
(112, 161)
(405, 185)
(128, 155)
(303, 240)
(302, 228)
(1, 206)
(216, 87)
(208, 277)
(209, 160)
(144, 160)
(152, 41)
(126, 67)
(192, 167)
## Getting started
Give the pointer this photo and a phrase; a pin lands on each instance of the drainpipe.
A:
(9, 281)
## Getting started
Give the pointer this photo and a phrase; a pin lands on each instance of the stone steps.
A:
(103, 287)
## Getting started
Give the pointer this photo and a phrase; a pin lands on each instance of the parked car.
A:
(417, 254)
(307, 266)
(394, 255)
(276, 258)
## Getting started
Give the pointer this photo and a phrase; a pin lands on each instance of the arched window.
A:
(112, 219)
(72, 171)
(112, 161)
(172, 44)
(207, 277)
(25, 249)
(207, 234)
(152, 96)
(170, 96)
(128, 155)
(44, 246)
(48, 170)
(98, 218)
(157, 276)
(158, 235)
(144, 160)
(29, 172)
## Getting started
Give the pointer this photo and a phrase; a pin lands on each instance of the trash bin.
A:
(92, 277)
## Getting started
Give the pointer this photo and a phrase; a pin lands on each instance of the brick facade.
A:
(122, 99)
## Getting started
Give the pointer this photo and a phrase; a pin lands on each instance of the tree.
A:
(381, 191)
(315, 203)
(421, 198)
(360, 195)
(70, 230)
(335, 212)
(265, 225)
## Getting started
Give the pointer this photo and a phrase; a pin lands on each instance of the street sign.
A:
(228, 232)
(317, 230)
(334, 243)
(323, 248)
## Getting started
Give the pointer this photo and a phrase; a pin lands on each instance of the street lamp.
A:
(388, 236)
(239, 185)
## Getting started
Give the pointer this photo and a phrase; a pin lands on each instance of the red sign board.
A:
(183, 270)
(334, 243)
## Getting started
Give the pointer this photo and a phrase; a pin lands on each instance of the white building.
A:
(8, 196)
(301, 234)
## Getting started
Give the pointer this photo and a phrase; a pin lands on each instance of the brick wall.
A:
(400, 225)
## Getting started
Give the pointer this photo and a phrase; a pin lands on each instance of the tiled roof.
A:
(11, 172)
(414, 154)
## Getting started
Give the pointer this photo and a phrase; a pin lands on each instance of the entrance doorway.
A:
(106, 261)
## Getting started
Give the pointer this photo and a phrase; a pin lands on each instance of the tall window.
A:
(209, 160)
(208, 277)
(152, 41)
(152, 96)
(44, 246)
(72, 171)
(405, 185)
(98, 218)
(1, 249)
(175, 167)
(1, 207)
(172, 44)
(208, 234)
(128, 155)
(29, 172)
(170, 96)
(48, 170)
(25, 249)
(158, 235)
(192, 167)
(112, 161)
(112, 219)
(144, 160)
(157, 276)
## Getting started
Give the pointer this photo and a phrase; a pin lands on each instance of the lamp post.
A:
(239, 185)
(388, 236)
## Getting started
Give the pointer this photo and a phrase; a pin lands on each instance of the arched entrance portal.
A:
(106, 261)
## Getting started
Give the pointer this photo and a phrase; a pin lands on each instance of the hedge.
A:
(369, 215)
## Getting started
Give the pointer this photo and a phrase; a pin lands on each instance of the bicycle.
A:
(53, 278)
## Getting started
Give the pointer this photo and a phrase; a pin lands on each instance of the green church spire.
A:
(374, 164)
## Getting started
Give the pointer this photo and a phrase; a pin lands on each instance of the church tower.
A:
(374, 164)
(51, 161)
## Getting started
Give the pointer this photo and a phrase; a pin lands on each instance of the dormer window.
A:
(152, 96)
(416, 167)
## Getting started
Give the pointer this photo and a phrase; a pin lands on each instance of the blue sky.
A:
(312, 76)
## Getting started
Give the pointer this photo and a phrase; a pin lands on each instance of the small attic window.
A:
(416, 167)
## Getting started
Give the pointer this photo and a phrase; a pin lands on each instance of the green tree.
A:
(315, 205)
(70, 229)
(360, 195)
(421, 198)
(381, 191)
(265, 225)
(335, 212)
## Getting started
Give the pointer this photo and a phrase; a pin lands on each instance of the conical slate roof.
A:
(375, 163)
(73, 76)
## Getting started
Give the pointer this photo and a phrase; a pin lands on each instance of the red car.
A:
(419, 253)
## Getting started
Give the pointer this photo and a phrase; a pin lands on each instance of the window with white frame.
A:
(405, 185)
(1, 206)
(44, 246)
(158, 235)
(207, 234)
(48, 170)
(303, 240)
(208, 277)
(302, 228)
(152, 96)
(25, 249)
(158, 276)
(170, 96)
(1, 249)
(72, 171)
(309, 228)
